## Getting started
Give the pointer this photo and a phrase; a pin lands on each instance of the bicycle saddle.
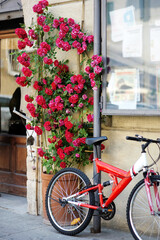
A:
(95, 140)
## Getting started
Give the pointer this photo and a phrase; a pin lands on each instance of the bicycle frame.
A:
(114, 173)
(147, 184)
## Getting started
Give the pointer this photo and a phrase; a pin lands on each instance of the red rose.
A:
(41, 20)
(26, 71)
(52, 140)
(74, 79)
(48, 91)
(59, 151)
(42, 52)
(62, 164)
(46, 28)
(83, 140)
(31, 107)
(60, 144)
(68, 150)
(43, 3)
(21, 44)
(47, 125)
(21, 33)
(28, 98)
(24, 59)
(37, 86)
(40, 100)
(64, 68)
(69, 136)
(28, 42)
(90, 38)
(87, 69)
(55, 23)
(32, 110)
(80, 50)
(90, 101)
(60, 106)
(66, 46)
(64, 27)
(32, 34)
(57, 80)
(62, 156)
(54, 86)
(76, 89)
(47, 60)
(67, 123)
(102, 147)
(69, 88)
(76, 44)
(74, 98)
(56, 63)
(22, 81)
(76, 142)
(45, 45)
(70, 21)
(38, 8)
(29, 127)
(41, 152)
(92, 76)
(90, 117)
(38, 130)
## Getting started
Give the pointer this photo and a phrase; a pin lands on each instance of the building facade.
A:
(12, 130)
(130, 93)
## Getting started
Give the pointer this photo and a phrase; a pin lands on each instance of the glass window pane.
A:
(8, 72)
(133, 46)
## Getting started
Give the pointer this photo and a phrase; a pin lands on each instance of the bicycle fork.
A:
(148, 183)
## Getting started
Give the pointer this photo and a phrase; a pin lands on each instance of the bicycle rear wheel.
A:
(142, 224)
(67, 218)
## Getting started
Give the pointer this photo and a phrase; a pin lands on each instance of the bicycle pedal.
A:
(75, 221)
(105, 210)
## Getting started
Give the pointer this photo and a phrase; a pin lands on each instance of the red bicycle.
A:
(70, 200)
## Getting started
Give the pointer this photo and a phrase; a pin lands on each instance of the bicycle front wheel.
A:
(142, 224)
(65, 217)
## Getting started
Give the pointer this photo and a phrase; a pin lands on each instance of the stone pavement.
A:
(17, 224)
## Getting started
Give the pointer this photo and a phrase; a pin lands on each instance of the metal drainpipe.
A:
(97, 122)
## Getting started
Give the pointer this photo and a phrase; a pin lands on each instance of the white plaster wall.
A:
(118, 152)
(63, 8)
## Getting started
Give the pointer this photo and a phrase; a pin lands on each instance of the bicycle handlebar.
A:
(139, 138)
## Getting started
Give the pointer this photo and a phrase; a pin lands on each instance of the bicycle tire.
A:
(66, 218)
(143, 225)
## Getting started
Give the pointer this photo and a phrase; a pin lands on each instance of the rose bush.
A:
(59, 94)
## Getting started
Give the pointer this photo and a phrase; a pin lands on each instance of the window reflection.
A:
(10, 93)
(133, 46)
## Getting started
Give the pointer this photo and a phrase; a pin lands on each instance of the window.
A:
(10, 93)
(131, 40)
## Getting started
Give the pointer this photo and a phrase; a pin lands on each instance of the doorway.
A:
(13, 151)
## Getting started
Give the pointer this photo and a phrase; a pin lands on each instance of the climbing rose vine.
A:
(61, 108)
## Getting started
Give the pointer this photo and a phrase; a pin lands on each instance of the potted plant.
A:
(61, 107)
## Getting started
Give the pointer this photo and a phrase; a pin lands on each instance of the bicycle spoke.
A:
(66, 217)
(143, 224)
